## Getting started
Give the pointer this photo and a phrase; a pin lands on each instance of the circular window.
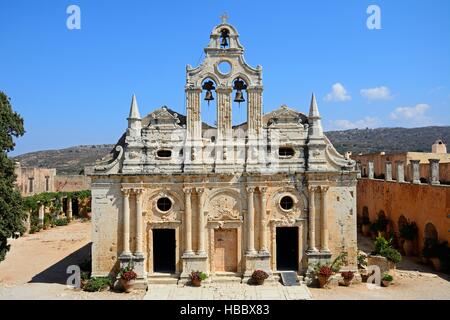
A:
(286, 203)
(224, 67)
(164, 204)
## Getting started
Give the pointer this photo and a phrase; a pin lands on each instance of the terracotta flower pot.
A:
(408, 247)
(386, 283)
(323, 281)
(127, 285)
(347, 282)
(196, 282)
(436, 263)
(366, 230)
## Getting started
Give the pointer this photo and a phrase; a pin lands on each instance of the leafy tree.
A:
(11, 209)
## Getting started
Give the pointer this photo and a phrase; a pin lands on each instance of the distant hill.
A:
(72, 160)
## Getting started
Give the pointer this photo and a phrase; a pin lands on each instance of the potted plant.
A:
(259, 276)
(197, 277)
(365, 226)
(387, 279)
(324, 275)
(127, 278)
(409, 232)
(348, 277)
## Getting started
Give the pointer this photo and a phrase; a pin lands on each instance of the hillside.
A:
(72, 160)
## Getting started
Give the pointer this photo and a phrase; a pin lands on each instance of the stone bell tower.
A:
(225, 69)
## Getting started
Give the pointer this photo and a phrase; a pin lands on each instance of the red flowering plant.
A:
(127, 273)
(347, 275)
(325, 271)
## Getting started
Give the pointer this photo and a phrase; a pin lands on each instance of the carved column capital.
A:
(200, 190)
(250, 189)
(324, 189)
(262, 189)
(226, 90)
(313, 188)
(126, 192)
(188, 190)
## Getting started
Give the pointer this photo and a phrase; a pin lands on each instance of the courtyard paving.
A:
(223, 291)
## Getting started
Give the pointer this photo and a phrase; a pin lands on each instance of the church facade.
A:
(177, 195)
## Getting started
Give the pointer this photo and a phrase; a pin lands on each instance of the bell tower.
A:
(223, 71)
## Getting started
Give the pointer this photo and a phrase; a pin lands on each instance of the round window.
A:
(287, 203)
(164, 204)
(224, 67)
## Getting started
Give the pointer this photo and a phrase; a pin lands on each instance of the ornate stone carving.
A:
(223, 207)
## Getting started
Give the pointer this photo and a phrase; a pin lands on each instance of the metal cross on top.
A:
(224, 18)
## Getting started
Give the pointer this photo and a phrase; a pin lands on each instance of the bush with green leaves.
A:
(61, 222)
(387, 277)
(98, 284)
(384, 248)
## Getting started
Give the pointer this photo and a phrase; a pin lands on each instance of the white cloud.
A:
(338, 93)
(410, 113)
(367, 122)
(378, 93)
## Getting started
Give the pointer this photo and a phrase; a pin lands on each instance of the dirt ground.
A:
(35, 268)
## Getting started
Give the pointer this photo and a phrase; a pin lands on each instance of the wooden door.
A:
(225, 250)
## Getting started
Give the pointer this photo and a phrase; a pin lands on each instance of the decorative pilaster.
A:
(194, 128)
(312, 220)
(415, 168)
(254, 110)
(262, 222)
(224, 121)
(250, 222)
(324, 236)
(188, 221)
(400, 171)
(139, 234)
(41, 214)
(201, 224)
(126, 222)
(434, 171)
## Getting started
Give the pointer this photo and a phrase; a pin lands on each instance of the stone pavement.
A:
(225, 291)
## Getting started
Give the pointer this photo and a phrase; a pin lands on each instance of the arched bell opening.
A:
(209, 102)
(224, 38)
(239, 102)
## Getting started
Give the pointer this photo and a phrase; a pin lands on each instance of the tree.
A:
(12, 214)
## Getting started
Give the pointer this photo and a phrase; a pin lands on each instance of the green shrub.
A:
(98, 284)
(392, 255)
(61, 222)
(384, 248)
(387, 277)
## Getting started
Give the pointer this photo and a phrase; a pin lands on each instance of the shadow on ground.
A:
(57, 273)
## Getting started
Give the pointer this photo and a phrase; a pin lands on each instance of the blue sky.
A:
(74, 86)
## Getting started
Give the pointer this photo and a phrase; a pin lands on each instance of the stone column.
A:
(28, 222)
(324, 235)
(312, 221)
(254, 110)
(188, 221)
(415, 168)
(193, 113)
(358, 170)
(434, 171)
(201, 224)
(139, 234)
(41, 214)
(400, 171)
(262, 221)
(126, 222)
(388, 171)
(69, 208)
(371, 170)
(250, 222)
(223, 111)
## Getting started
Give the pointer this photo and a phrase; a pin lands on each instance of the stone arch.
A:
(208, 75)
(300, 199)
(402, 221)
(430, 232)
(178, 202)
(240, 75)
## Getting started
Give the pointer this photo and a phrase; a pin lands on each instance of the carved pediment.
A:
(162, 118)
(285, 116)
(223, 207)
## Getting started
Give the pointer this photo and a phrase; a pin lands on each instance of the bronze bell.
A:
(224, 43)
(209, 96)
(239, 97)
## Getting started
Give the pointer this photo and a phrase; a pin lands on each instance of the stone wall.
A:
(421, 203)
(32, 181)
(72, 183)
